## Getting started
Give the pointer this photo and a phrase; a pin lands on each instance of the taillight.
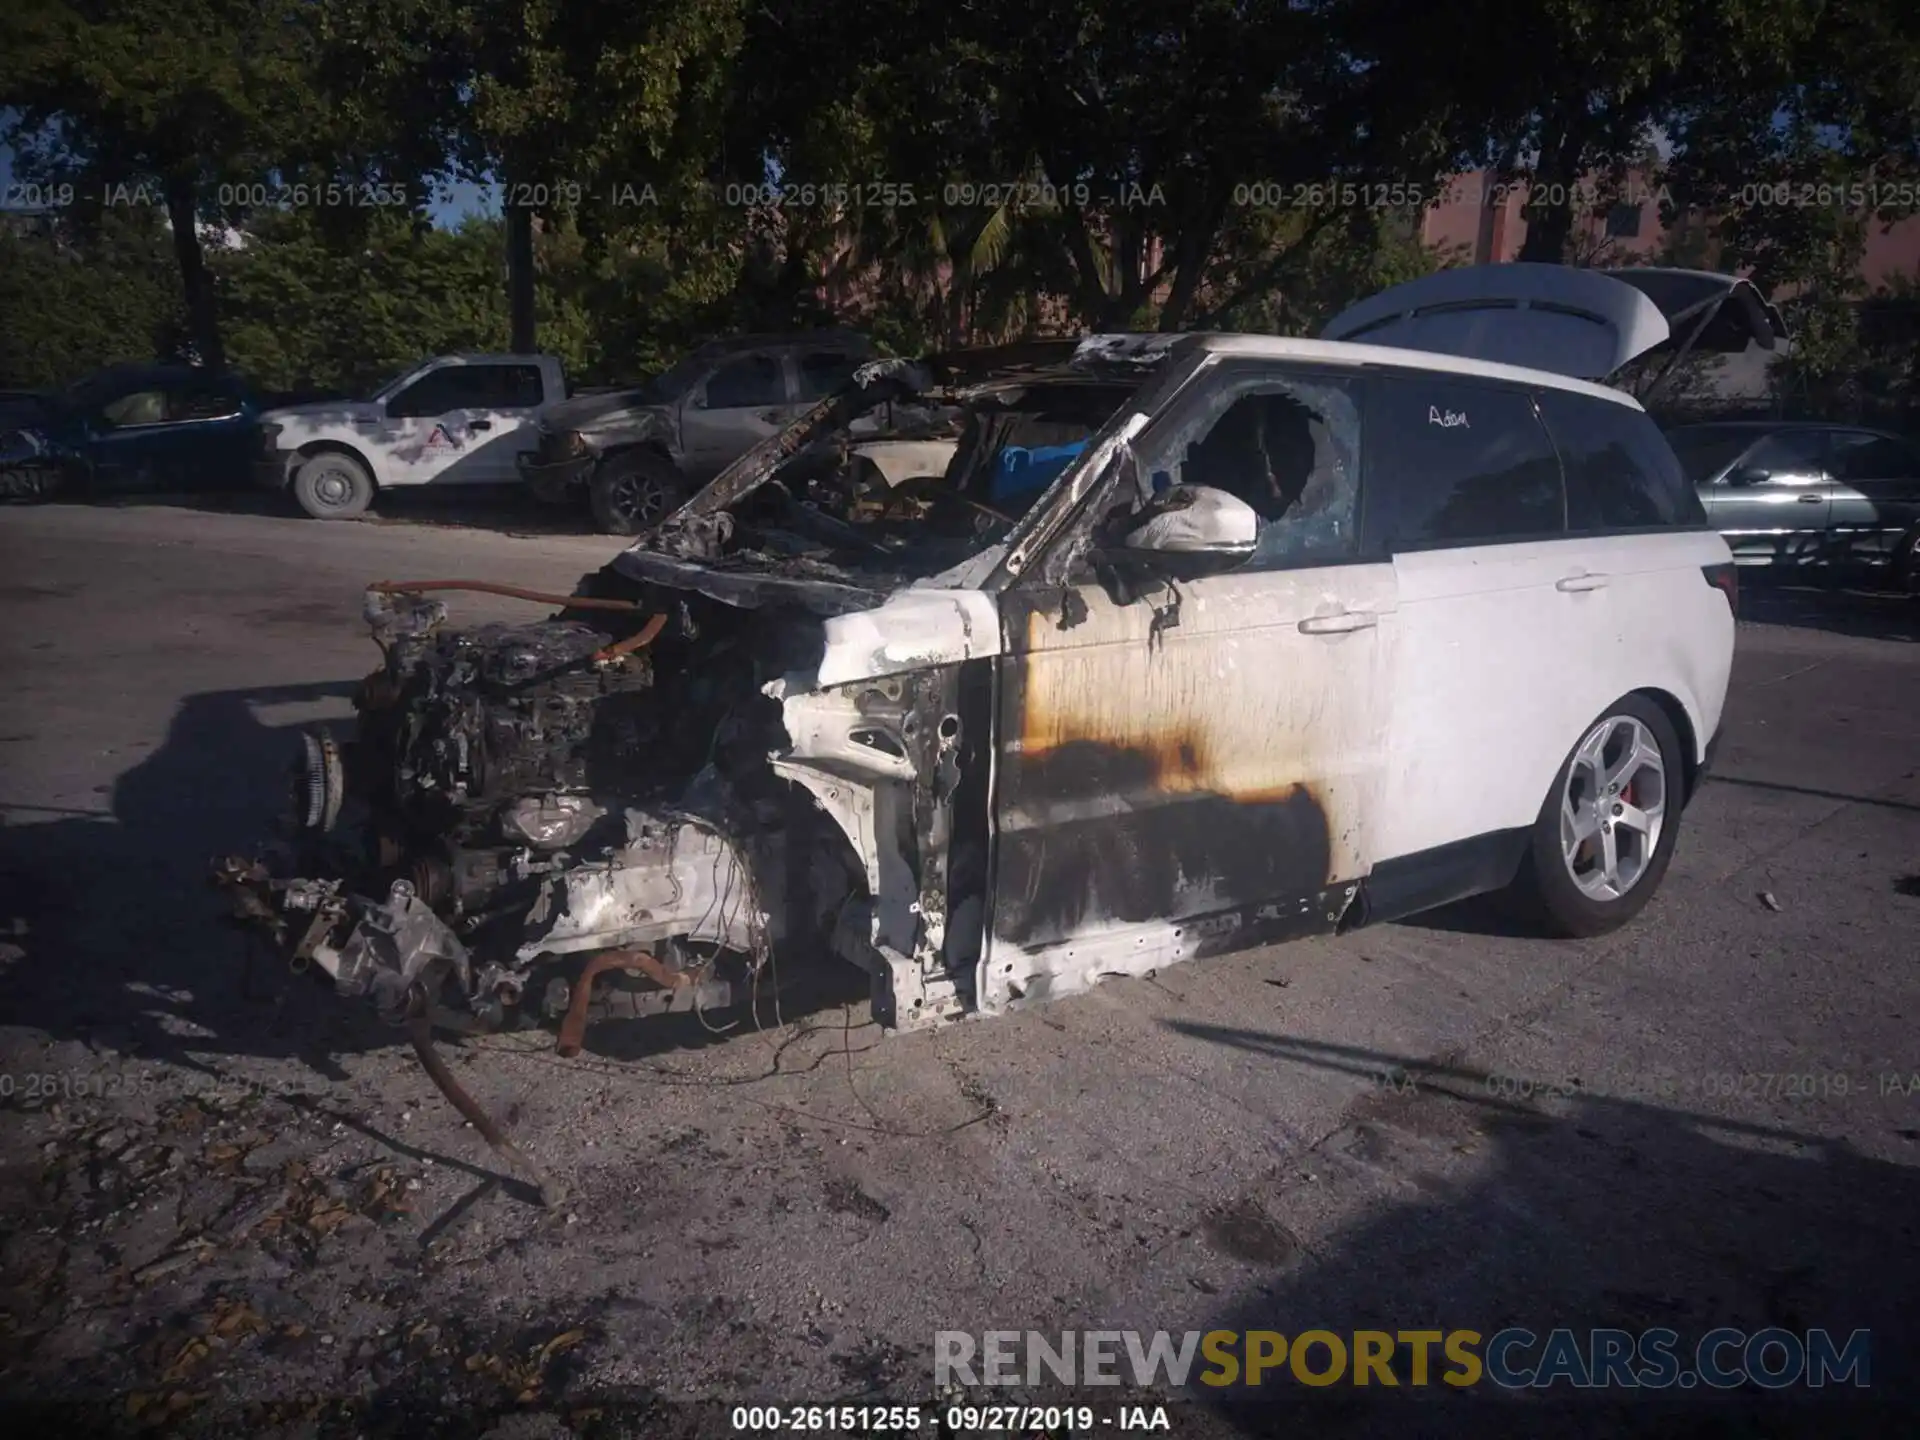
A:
(1726, 579)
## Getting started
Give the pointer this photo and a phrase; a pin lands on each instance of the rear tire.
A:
(1906, 563)
(1606, 831)
(332, 486)
(632, 493)
(31, 482)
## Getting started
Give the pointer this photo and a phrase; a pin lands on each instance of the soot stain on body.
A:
(1138, 863)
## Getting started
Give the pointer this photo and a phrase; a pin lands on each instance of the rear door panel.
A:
(1782, 518)
(1874, 493)
(746, 399)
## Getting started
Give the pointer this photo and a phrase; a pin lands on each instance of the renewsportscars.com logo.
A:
(1514, 1358)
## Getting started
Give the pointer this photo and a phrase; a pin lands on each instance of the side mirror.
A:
(1748, 475)
(1199, 522)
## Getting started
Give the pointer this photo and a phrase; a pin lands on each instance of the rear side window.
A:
(1706, 450)
(1452, 462)
(1621, 473)
(1861, 455)
(751, 380)
(502, 387)
(207, 400)
(825, 372)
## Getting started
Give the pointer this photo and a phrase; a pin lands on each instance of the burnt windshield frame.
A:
(1048, 527)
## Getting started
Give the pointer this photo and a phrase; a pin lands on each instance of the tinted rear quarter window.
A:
(749, 381)
(207, 400)
(503, 387)
(1454, 462)
(1861, 455)
(1706, 450)
(825, 372)
(1621, 472)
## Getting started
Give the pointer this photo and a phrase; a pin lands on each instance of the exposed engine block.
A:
(460, 724)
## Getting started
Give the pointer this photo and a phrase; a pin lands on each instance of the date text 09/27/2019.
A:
(952, 1419)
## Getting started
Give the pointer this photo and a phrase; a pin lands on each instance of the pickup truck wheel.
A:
(332, 486)
(631, 494)
(1605, 835)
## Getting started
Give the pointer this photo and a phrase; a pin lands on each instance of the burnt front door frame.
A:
(1164, 790)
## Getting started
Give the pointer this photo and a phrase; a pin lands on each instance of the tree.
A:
(1113, 156)
(1564, 92)
(71, 302)
(163, 99)
(1818, 142)
(571, 107)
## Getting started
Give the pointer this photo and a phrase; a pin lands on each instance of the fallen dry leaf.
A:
(559, 1343)
(190, 1356)
(237, 1317)
(327, 1217)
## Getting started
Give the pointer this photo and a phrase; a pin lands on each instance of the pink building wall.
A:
(1492, 233)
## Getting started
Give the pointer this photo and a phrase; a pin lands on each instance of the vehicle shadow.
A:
(508, 509)
(1869, 614)
(1589, 1211)
(1490, 915)
(128, 943)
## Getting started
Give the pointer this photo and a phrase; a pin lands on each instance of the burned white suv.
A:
(1200, 642)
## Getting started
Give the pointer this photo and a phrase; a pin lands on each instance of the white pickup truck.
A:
(451, 420)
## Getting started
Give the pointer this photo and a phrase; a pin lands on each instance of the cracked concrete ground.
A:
(227, 1198)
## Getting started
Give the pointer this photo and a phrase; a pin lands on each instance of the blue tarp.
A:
(1021, 471)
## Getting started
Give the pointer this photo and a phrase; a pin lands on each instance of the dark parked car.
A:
(636, 454)
(131, 428)
(1808, 493)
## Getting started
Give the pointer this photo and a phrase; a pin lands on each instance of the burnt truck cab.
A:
(994, 743)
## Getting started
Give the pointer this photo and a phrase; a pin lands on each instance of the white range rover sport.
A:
(1296, 635)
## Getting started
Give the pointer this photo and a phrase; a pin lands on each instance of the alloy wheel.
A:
(1613, 806)
(639, 500)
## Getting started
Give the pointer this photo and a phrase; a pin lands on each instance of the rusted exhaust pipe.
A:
(573, 1029)
(420, 1029)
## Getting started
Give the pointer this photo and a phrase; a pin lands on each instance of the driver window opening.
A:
(1290, 449)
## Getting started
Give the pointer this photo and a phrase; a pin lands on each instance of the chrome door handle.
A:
(1581, 582)
(480, 425)
(1809, 499)
(1339, 624)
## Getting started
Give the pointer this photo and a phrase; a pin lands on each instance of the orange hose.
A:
(639, 640)
(488, 587)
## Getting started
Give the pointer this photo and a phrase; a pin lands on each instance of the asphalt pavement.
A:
(222, 1188)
